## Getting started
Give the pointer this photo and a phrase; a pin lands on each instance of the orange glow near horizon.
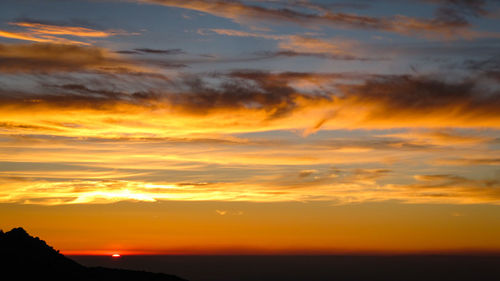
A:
(225, 228)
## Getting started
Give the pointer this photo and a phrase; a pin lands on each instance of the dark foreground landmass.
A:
(23, 257)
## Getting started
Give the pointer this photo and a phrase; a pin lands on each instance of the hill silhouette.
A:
(23, 257)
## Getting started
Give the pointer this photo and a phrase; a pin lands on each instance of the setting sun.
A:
(116, 255)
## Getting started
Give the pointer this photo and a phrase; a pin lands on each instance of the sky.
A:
(251, 127)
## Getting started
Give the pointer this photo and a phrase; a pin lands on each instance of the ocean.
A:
(310, 268)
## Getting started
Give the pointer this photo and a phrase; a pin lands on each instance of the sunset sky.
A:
(251, 127)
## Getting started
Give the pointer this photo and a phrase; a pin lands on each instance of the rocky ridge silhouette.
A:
(23, 257)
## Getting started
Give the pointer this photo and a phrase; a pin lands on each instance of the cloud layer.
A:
(267, 101)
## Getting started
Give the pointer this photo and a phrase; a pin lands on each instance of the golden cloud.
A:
(51, 33)
(358, 188)
(43, 29)
(27, 36)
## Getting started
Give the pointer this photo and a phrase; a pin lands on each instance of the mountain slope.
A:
(25, 257)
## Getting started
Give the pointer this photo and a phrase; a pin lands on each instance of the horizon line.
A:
(288, 253)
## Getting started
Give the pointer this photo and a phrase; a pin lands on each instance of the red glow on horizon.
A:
(244, 251)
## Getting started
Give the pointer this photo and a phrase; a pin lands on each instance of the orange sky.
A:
(259, 228)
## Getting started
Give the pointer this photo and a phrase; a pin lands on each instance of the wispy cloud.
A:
(302, 45)
(470, 161)
(52, 33)
(44, 29)
(449, 21)
(47, 57)
(27, 36)
(152, 51)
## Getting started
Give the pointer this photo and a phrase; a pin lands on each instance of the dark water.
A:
(310, 268)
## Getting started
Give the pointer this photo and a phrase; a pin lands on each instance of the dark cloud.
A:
(83, 90)
(56, 58)
(398, 94)
(275, 96)
(284, 53)
(471, 161)
(128, 52)
(292, 76)
(139, 51)
(160, 52)
(487, 67)
(441, 181)
(19, 57)
(457, 11)
(192, 94)
(63, 58)
(321, 7)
